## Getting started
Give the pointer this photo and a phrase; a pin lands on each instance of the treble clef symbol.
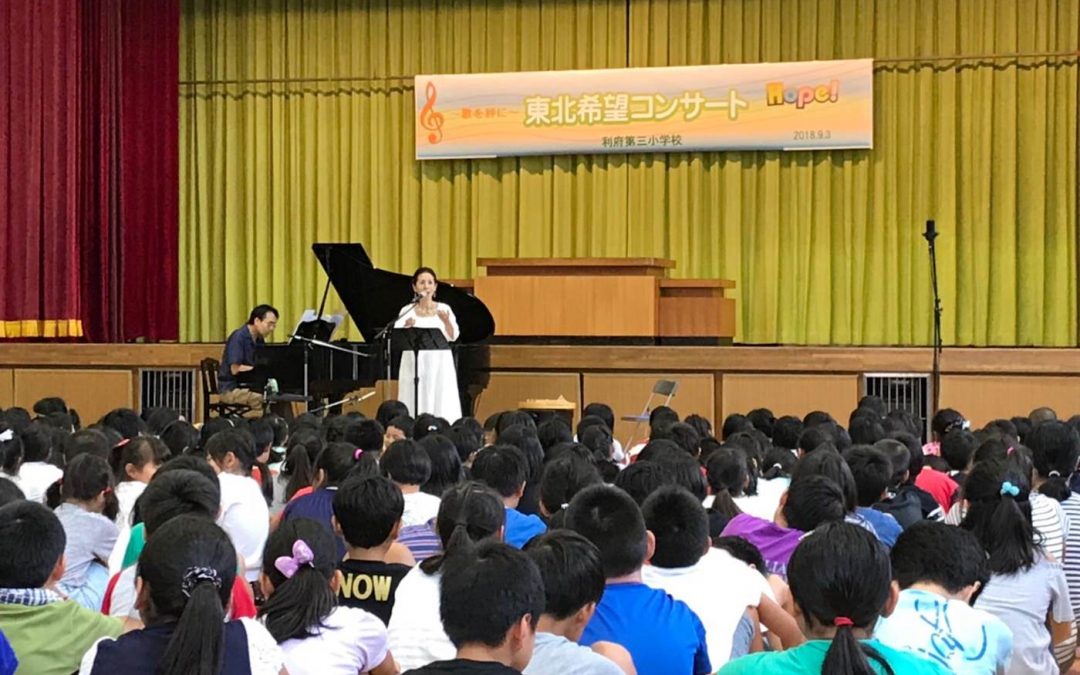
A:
(429, 118)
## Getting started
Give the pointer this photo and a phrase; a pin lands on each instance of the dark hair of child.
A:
(610, 519)
(84, 479)
(390, 409)
(899, 459)
(1055, 451)
(189, 569)
(177, 492)
(763, 420)
(486, 590)
(305, 446)
(831, 464)
(813, 500)
(641, 479)
(299, 561)
(681, 527)
(733, 424)
(872, 472)
(235, 441)
(9, 492)
(743, 550)
(446, 467)
(728, 473)
(32, 540)
(786, 432)
(778, 463)
(958, 447)
(340, 460)
(469, 512)
(570, 567)
(941, 554)
(553, 431)
(181, 437)
(840, 577)
(563, 478)
(11, 449)
(137, 453)
(367, 508)
(502, 467)
(366, 435)
(601, 410)
(944, 421)
(406, 463)
(404, 423)
(999, 515)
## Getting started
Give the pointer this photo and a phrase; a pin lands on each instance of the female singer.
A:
(438, 378)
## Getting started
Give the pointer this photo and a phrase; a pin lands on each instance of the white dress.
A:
(438, 377)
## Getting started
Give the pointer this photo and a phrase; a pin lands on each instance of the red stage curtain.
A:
(88, 134)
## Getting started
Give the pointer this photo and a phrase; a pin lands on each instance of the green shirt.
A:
(135, 546)
(807, 658)
(51, 639)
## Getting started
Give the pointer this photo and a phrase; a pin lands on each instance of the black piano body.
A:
(373, 298)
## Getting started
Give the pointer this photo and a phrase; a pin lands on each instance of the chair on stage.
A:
(661, 388)
(211, 394)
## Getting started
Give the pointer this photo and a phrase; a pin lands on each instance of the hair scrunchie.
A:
(194, 576)
(1008, 488)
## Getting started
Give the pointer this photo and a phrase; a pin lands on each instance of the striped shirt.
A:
(421, 540)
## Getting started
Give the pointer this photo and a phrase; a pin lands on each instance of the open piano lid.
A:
(374, 297)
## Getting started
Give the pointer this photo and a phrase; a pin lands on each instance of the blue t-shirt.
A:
(318, 505)
(808, 657)
(239, 349)
(520, 528)
(961, 638)
(8, 662)
(886, 527)
(662, 634)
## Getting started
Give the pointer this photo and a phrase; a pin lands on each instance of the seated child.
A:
(470, 512)
(939, 568)
(809, 502)
(491, 599)
(48, 633)
(872, 472)
(133, 464)
(1027, 589)
(36, 474)
(187, 572)
(902, 504)
(718, 588)
(299, 580)
(841, 580)
(367, 514)
(662, 634)
(504, 469)
(87, 513)
(409, 466)
(573, 584)
(244, 513)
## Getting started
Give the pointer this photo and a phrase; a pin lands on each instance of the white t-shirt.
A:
(245, 518)
(263, 652)
(764, 504)
(122, 601)
(420, 507)
(416, 633)
(127, 493)
(35, 478)
(351, 641)
(718, 588)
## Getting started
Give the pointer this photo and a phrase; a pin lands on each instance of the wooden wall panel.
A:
(7, 387)
(982, 398)
(626, 393)
(507, 390)
(91, 392)
(791, 394)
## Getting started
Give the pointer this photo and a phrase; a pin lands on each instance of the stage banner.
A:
(811, 105)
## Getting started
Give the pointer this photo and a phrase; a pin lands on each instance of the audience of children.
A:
(702, 555)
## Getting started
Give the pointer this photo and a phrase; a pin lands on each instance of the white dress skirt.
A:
(438, 377)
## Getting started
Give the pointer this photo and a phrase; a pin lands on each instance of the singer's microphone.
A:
(931, 233)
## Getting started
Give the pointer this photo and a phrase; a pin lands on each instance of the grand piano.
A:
(373, 298)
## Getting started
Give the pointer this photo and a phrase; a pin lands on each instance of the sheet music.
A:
(309, 315)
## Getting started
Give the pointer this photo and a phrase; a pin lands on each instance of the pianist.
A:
(239, 358)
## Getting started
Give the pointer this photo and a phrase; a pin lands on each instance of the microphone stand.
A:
(385, 332)
(935, 377)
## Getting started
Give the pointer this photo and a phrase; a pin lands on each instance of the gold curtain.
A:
(297, 126)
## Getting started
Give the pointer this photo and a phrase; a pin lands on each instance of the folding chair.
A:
(661, 388)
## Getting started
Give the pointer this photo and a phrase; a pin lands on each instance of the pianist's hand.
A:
(410, 322)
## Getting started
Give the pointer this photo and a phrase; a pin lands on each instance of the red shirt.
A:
(939, 485)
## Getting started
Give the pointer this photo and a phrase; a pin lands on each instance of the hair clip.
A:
(197, 575)
(778, 465)
(301, 555)
(356, 455)
(843, 621)
(1008, 488)
(6, 436)
(1054, 474)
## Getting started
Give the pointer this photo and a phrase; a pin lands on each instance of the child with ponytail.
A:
(244, 513)
(300, 582)
(468, 513)
(841, 580)
(1027, 588)
(186, 575)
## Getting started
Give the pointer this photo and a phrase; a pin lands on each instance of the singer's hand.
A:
(410, 322)
(444, 315)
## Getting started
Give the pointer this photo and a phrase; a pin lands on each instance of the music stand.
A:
(417, 340)
(311, 330)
